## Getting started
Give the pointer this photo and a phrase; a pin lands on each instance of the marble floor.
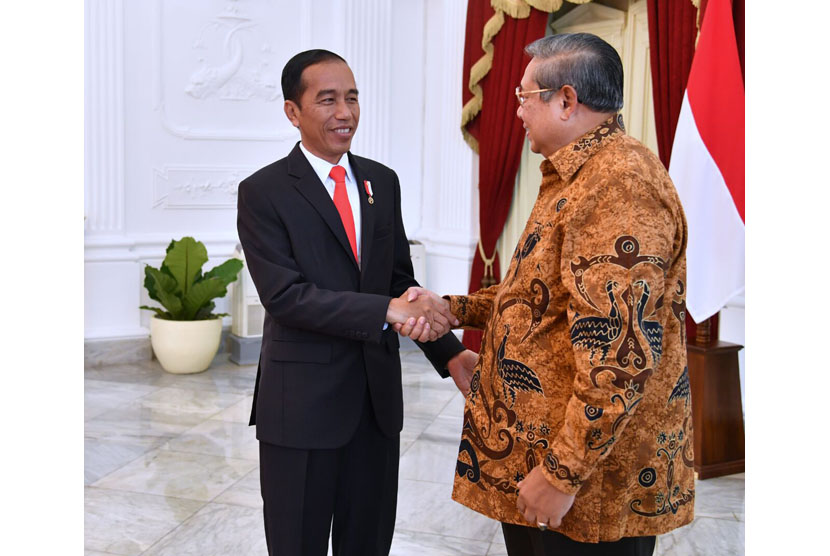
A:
(170, 469)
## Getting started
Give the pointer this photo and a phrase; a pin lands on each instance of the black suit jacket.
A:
(323, 339)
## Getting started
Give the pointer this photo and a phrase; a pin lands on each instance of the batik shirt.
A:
(582, 367)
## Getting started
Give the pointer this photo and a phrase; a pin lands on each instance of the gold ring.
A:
(542, 526)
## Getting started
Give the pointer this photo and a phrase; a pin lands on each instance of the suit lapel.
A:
(309, 186)
(367, 214)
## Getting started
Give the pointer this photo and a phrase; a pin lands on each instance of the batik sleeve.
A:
(473, 309)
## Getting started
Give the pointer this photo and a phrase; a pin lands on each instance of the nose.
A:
(342, 112)
(519, 112)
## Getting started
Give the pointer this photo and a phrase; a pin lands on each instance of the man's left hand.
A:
(541, 502)
(461, 369)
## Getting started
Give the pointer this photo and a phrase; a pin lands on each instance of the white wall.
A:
(183, 101)
(731, 329)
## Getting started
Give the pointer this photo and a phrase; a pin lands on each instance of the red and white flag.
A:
(707, 166)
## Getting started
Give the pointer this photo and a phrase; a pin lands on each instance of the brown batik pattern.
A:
(582, 369)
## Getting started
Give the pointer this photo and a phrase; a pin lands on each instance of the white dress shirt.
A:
(322, 168)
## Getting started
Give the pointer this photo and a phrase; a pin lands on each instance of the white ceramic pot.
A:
(184, 347)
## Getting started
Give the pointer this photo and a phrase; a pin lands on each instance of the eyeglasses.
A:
(520, 94)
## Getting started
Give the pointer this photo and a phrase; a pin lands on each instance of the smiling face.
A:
(328, 111)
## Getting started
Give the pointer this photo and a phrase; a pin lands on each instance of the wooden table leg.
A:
(717, 415)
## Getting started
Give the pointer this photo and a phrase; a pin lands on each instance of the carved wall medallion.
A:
(219, 65)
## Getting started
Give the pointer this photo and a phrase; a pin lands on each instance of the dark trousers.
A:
(530, 541)
(351, 491)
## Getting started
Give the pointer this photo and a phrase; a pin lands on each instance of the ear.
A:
(292, 112)
(569, 101)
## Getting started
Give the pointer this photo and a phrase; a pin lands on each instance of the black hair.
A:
(293, 86)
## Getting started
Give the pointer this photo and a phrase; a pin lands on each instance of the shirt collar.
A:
(567, 160)
(323, 167)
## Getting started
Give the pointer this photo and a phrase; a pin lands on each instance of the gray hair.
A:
(585, 62)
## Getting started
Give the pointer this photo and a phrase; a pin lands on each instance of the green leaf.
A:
(152, 276)
(200, 294)
(159, 284)
(227, 272)
(184, 261)
(166, 271)
(204, 312)
(159, 313)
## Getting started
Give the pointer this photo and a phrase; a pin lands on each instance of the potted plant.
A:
(185, 334)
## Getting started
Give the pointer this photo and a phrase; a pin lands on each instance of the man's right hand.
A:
(418, 329)
(422, 314)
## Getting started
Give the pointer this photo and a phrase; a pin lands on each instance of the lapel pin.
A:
(367, 185)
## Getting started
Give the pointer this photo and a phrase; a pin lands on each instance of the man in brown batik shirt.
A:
(577, 429)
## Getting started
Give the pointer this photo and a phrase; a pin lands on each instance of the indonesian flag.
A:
(707, 166)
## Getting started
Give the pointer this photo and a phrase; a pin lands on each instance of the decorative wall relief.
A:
(219, 65)
(229, 78)
(197, 187)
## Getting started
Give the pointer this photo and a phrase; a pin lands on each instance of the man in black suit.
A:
(325, 245)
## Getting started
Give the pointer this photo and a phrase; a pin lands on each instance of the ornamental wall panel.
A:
(197, 187)
(218, 66)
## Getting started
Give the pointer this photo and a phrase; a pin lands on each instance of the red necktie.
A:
(341, 201)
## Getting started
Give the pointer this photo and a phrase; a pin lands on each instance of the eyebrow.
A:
(325, 92)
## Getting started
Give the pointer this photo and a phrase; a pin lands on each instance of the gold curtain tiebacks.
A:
(489, 277)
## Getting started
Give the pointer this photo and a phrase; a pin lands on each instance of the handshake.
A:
(424, 316)
(421, 315)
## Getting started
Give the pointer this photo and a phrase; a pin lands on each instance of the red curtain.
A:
(673, 28)
(498, 131)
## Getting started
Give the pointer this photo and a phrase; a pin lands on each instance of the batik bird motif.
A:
(681, 390)
(598, 333)
(515, 375)
(652, 330)
(530, 242)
